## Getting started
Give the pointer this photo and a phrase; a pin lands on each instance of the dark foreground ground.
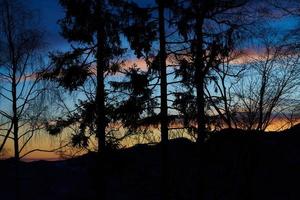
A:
(232, 165)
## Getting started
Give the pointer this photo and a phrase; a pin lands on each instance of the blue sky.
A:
(50, 12)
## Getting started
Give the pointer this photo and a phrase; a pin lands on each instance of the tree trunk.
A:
(199, 81)
(12, 49)
(164, 101)
(100, 114)
(100, 93)
(225, 99)
(200, 100)
(15, 119)
(261, 101)
(16, 138)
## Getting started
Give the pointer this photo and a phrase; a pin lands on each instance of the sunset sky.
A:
(50, 12)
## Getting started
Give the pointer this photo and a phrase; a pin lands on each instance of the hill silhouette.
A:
(234, 164)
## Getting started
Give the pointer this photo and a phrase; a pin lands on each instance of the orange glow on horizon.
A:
(50, 143)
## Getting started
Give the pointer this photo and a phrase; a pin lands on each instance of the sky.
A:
(50, 12)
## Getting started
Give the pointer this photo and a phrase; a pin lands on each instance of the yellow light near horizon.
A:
(45, 141)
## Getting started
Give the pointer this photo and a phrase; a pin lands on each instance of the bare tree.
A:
(269, 83)
(219, 92)
(21, 87)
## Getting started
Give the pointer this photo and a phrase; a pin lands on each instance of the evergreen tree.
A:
(93, 28)
(146, 27)
(210, 29)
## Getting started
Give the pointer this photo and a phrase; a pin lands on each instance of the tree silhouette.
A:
(265, 91)
(146, 26)
(210, 35)
(93, 28)
(21, 66)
